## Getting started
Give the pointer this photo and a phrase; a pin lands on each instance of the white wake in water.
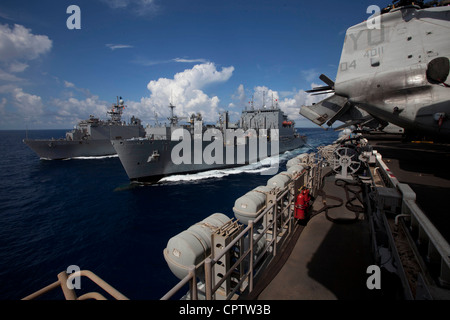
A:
(254, 168)
(94, 157)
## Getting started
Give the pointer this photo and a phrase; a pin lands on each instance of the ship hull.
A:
(98, 143)
(142, 165)
(63, 149)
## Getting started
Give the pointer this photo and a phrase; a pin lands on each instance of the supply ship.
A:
(195, 147)
(91, 137)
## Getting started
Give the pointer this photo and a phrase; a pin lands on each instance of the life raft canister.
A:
(302, 204)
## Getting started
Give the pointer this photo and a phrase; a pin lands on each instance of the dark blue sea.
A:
(84, 212)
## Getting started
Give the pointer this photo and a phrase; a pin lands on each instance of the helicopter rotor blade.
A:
(318, 89)
(327, 80)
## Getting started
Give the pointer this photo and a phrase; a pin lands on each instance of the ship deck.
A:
(328, 260)
(318, 266)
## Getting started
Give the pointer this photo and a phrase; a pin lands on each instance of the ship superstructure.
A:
(91, 137)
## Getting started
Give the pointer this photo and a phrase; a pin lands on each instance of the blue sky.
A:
(205, 56)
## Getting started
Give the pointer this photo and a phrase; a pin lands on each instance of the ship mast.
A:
(116, 110)
(173, 118)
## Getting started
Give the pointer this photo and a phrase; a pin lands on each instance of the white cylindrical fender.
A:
(248, 206)
(281, 180)
(294, 170)
(193, 245)
(292, 162)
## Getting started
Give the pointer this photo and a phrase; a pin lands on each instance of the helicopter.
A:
(394, 71)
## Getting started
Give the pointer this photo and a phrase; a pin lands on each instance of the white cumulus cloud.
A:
(18, 46)
(19, 107)
(73, 110)
(185, 91)
(18, 43)
(27, 103)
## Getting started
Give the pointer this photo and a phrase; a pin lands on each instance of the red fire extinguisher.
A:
(302, 204)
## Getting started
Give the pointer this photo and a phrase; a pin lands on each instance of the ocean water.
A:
(84, 212)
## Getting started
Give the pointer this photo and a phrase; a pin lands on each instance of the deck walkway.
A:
(329, 260)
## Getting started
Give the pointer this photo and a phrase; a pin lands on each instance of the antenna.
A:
(264, 100)
(171, 106)
(156, 118)
(173, 119)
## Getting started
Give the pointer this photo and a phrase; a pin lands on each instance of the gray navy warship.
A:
(91, 137)
(259, 134)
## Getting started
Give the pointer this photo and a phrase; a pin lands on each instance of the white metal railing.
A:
(208, 263)
(279, 221)
(69, 293)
